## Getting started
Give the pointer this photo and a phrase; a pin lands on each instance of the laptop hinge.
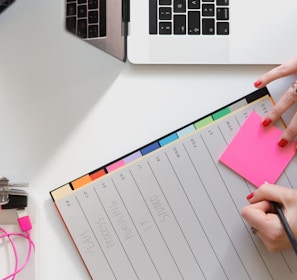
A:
(126, 20)
(126, 11)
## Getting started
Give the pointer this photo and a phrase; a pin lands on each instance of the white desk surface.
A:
(67, 108)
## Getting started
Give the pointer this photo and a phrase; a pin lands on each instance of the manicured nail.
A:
(283, 143)
(250, 196)
(257, 83)
(267, 122)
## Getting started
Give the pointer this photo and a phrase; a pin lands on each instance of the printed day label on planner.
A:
(174, 212)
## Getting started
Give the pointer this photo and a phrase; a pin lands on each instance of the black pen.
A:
(286, 225)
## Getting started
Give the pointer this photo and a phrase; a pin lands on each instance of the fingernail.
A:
(257, 83)
(267, 122)
(283, 143)
(250, 196)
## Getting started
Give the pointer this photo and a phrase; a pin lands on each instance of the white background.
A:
(67, 108)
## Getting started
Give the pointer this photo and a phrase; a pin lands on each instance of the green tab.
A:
(203, 122)
(221, 113)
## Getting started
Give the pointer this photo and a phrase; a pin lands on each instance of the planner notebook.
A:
(171, 210)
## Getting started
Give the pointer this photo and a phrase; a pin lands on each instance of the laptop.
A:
(4, 4)
(188, 31)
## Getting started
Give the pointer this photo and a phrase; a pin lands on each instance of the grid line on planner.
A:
(119, 239)
(175, 218)
(86, 218)
(146, 249)
(156, 225)
(192, 205)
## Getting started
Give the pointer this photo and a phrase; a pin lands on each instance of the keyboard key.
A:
(153, 17)
(223, 28)
(194, 23)
(165, 2)
(71, 9)
(165, 28)
(71, 24)
(208, 10)
(102, 18)
(222, 2)
(208, 26)
(179, 6)
(222, 13)
(82, 11)
(194, 4)
(93, 31)
(180, 24)
(93, 16)
(82, 28)
(93, 4)
(165, 13)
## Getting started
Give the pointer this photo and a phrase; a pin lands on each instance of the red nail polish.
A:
(250, 196)
(283, 143)
(257, 83)
(267, 122)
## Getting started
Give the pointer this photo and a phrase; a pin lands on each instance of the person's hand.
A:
(261, 216)
(286, 101)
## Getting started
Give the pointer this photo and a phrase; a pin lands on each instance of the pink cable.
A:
(25, 225)
(6, 234)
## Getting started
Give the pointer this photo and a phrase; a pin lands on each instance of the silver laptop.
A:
(188, 31)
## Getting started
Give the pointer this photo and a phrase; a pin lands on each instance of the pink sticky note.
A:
(254, 153)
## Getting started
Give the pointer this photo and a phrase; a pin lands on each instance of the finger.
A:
(270, 192)
(258, 215)
(285, 102)
(280, 71)
(291, 131)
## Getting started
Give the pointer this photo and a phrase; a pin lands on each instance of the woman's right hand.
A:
(261, 215)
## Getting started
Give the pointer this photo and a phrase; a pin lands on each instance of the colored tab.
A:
(132, 157)
(148, 149)
(241, 103)
(115, 165)
(168, 139)
(97, 174)
(61, 192)
(221, 113)
(185, 131)
(78, 183)
(203, 122)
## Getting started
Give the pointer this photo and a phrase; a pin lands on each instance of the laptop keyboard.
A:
(189, 17)
(4, 4)
(86, 18)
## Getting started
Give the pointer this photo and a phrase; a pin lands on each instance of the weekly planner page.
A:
(171, 210)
